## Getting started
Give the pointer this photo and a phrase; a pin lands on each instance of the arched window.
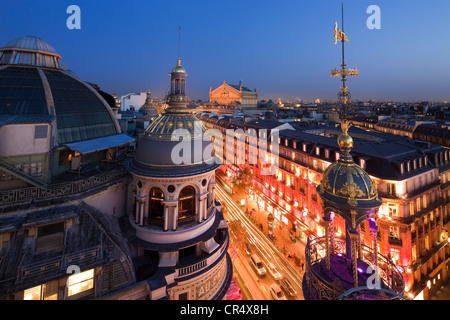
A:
(156, 205)
(186, 205)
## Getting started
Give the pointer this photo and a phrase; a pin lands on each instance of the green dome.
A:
(178, 68)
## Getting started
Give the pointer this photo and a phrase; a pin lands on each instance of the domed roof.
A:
(30, 42)
(344, 183)
(178, 68)
(176, 143)
(148, 108)
(31, 90)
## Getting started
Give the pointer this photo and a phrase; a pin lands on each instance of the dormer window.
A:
(327, 153)
(362, 163)
(402, 168)
(304, 147)
(408, 166)
(415, 164)
(318, 151)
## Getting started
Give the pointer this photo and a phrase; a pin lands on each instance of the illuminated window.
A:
(391, 188)
(392, 208)
(80, 282)
(395, 255)
(394, 232)
(47, 291)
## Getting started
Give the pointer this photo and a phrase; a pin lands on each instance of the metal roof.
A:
(93, 145)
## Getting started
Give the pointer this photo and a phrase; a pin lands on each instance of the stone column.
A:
(140, 201)
(170, 214)
(203, 203)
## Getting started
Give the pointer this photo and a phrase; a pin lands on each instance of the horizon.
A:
(283, 50)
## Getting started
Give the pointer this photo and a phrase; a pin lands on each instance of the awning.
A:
(89, 146)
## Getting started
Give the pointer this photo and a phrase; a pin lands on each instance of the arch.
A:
(156, 205)
(187, 203)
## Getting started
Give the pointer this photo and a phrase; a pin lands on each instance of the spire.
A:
(344, 140)
(179, 42)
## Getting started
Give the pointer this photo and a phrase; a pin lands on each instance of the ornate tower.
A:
(176, 227)
(345, 268)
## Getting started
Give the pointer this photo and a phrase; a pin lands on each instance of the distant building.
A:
(233, 95)
(132, 101)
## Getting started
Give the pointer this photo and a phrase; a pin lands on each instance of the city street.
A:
(251, 240)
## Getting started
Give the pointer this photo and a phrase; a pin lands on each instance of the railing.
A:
(60, 189)
(320, 288)
(60, 263)
(192, 268)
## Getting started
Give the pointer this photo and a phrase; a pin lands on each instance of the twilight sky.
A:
(282, 48)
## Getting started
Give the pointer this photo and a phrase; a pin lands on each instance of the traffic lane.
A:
(263, 246)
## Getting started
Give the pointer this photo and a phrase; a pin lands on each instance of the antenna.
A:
(179, 41)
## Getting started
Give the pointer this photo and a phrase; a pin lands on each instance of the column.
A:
(142, 214)
(202, 210)
(354, 238)
(375, 247)
(166, 217)
(332, 236)
(326, 225)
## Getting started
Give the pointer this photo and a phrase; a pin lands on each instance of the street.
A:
(249, 239)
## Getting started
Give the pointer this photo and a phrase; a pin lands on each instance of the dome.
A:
(344, 183)
(148, 108)
(160, 153)
(37, 90)
(178, 68)
(30, 42)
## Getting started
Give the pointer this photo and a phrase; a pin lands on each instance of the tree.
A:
(242, 181)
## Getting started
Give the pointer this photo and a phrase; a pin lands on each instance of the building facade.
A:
(233, 96)
(411, 178)
(76, 220)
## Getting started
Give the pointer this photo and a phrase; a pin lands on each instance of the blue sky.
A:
(282, 48)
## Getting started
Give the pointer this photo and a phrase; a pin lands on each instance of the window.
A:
(50, 237)
(47, 291)
(395, 255)
(394, 232)
(391, 188)
(40, 132)
(186, 207)
(156, 205)
(362, 163)
(80, 282)
(392, 208)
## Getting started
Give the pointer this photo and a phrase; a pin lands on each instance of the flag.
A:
(338, 34)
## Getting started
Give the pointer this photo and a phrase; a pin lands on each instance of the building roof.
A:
(32, 89)
(30, 42)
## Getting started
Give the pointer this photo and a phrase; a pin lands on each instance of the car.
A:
(276, 292)
(274, 272)
(287, 287)
(257, 264)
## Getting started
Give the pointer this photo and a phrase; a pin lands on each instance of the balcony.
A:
(395, 241)
(57, 191)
